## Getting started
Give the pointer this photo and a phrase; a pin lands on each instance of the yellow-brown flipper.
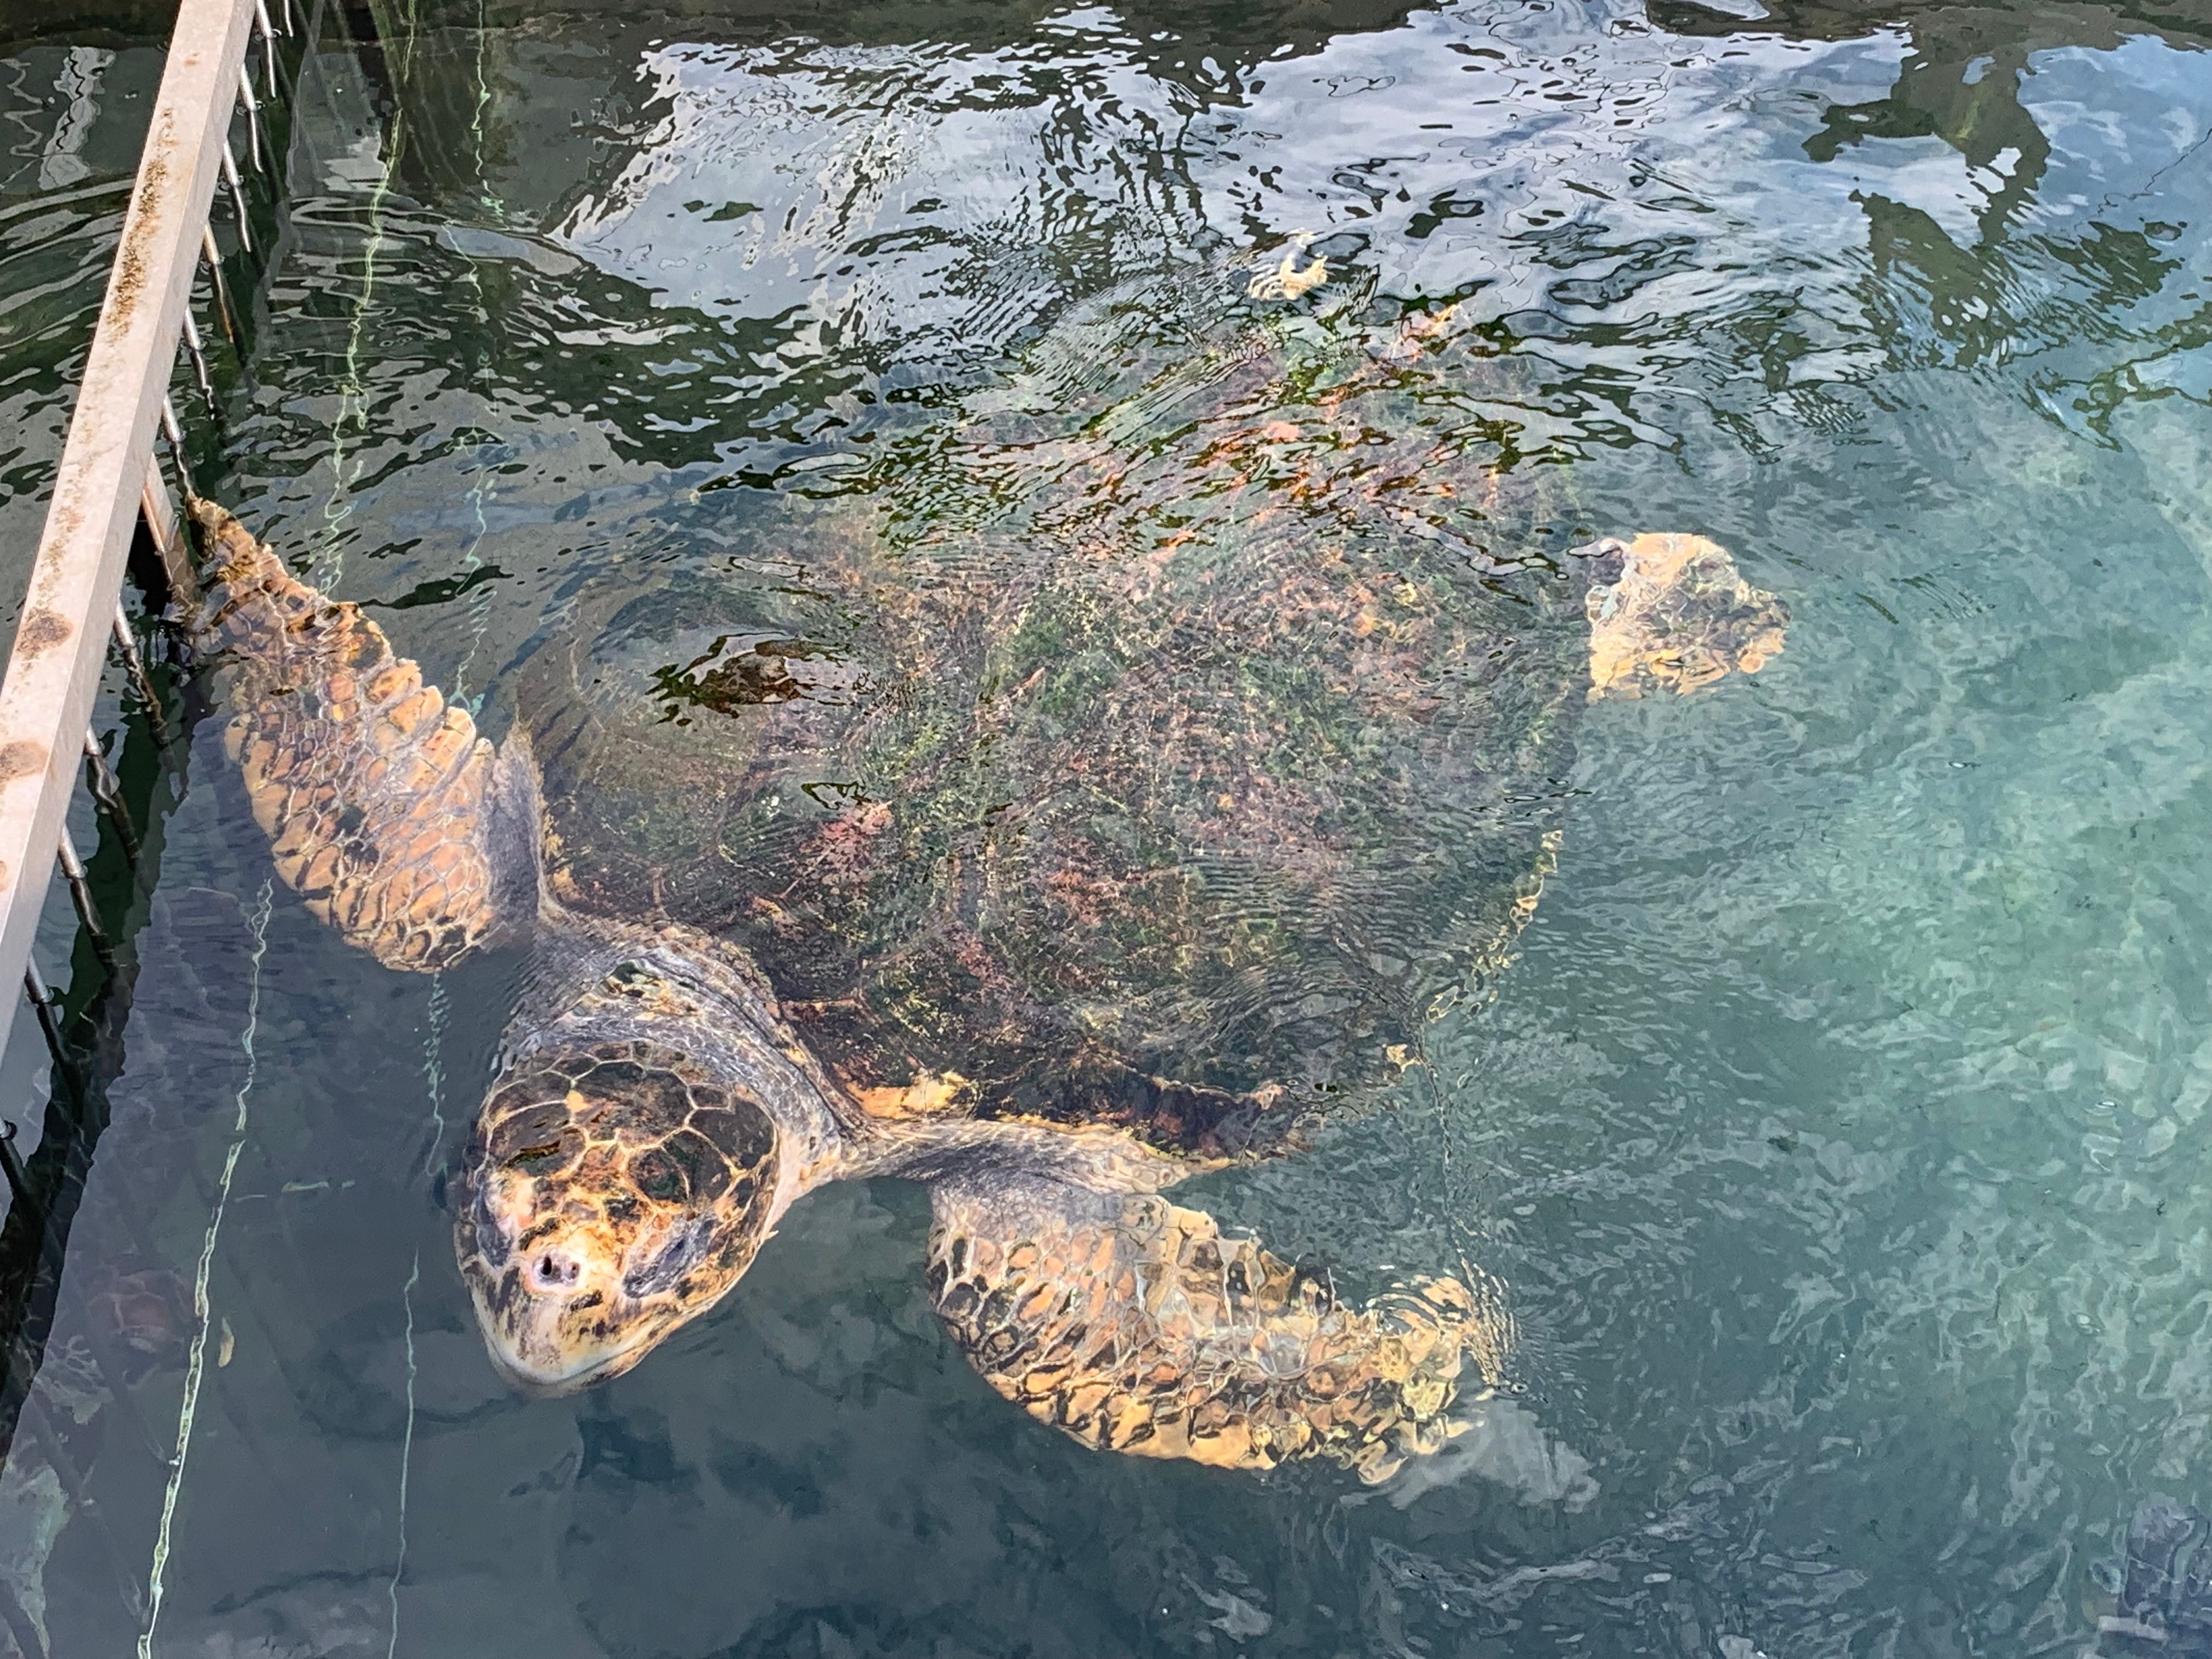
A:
(1134, 1326)
(385, 811)
(1678, 617)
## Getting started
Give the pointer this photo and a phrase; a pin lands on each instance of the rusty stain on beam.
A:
(61, 643)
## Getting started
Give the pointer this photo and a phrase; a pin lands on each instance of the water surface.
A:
(1839, 1135)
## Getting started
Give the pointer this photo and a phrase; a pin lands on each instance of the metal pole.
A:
(254, 149)
(193, 350)
(237, 194)
(81, 894)
(42, 1000)
(213, 256)
(171, 536)
(109, 793)
(135, 665)
(175, 435)
(268, 43)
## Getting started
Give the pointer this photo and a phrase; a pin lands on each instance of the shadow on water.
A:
(1838, 1134)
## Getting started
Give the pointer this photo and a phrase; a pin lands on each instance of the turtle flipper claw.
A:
(1680, 616)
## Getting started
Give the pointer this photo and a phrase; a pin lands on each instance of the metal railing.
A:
(108, 480)
(113, 511)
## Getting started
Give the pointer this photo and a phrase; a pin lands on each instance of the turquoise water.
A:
(1839, 1136)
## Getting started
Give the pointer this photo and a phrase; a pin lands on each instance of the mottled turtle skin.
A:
(1108, 784)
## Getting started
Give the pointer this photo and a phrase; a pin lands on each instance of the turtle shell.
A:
(1161, 743)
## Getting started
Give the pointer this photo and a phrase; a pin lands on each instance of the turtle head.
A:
(609, 1193)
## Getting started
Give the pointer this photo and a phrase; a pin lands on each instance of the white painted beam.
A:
(61, 643)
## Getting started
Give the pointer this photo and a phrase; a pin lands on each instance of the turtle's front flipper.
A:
(1678, 616)
(1136, 1327)
(395, 823)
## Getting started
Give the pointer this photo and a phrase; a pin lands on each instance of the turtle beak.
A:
(551, 1319)
(574, 1308)
(531, 1371)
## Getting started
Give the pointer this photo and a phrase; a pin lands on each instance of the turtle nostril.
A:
(554, 1271)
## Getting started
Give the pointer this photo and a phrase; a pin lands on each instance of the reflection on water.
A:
(1837, 1133)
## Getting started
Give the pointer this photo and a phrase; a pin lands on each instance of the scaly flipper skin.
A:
(1134, 1326)
(385, 811)
(1680, 616)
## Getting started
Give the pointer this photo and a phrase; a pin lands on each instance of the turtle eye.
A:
(665, 1268)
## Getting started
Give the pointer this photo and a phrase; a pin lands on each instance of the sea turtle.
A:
(1189, 727)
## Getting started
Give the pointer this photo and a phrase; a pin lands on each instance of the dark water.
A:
(1838, 1135)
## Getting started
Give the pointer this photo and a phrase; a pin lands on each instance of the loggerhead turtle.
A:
(1175, 744)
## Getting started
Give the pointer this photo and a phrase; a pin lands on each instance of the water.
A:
(1838, 1134)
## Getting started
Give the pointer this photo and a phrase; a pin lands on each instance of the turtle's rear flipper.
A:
(1678, 616)
(1135, 1326)
(2165, 1595)
(386, 812)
